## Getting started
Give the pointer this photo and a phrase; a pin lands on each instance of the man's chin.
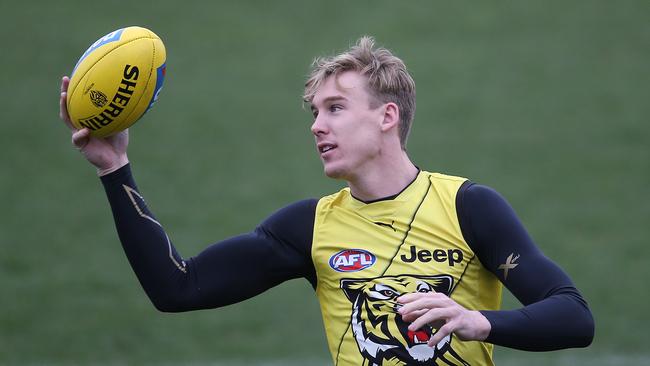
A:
(334, 172)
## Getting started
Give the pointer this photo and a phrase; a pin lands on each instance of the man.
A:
(407, 265)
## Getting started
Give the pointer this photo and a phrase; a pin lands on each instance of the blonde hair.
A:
(388, 79)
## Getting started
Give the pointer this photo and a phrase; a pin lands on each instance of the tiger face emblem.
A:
(381, 334)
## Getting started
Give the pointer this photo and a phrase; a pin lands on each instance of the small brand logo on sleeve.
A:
(352, 260)
(509, 264)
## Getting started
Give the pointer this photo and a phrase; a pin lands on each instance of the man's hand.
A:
(444, 314)
(107, 154)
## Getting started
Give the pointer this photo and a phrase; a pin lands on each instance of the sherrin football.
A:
(116, 81)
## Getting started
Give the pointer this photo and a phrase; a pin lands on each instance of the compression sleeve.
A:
(224, 273)
(554, 315)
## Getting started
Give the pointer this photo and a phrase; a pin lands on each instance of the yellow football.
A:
(116, 81)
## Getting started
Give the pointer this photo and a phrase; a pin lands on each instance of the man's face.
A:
(346, 128)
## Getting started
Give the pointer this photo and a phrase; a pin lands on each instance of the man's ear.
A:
(391, 116)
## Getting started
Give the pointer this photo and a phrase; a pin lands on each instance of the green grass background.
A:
(547, 102)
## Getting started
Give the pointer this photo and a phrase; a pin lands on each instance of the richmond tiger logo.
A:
(381, 334)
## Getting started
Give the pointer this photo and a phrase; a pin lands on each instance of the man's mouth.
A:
(325, 147)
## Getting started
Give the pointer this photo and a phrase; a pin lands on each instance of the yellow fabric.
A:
(410, 243)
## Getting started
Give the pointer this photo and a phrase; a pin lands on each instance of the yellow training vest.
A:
(366, 255)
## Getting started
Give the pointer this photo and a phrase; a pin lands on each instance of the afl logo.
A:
(352, 260)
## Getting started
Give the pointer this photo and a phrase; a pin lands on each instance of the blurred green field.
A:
(547, 102)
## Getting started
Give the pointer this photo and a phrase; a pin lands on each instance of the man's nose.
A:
(319, 126)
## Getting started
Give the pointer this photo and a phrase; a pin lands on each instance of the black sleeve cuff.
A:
(119, 176)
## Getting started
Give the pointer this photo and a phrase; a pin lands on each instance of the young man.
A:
(407, 265)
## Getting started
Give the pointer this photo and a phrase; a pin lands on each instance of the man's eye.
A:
(335, 108)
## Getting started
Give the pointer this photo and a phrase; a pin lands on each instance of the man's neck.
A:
(385, 181)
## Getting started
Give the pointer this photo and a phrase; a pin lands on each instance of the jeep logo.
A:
(452, 256)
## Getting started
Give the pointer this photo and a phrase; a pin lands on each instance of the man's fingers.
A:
(431, 316)
(80, 138)
(415, 296)
(444, 331)
(63, 107)
(424, 302)
(439, 311)
(406, 298)
(65, 82)
(409, 317)
(63, 110)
